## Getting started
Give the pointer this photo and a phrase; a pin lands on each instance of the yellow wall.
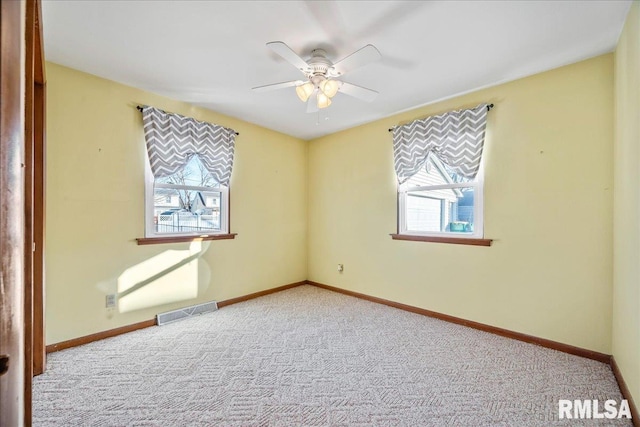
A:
(626, 247)
(548, 207)
(95, 208)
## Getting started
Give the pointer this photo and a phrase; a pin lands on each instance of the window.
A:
(438, 163)
(438, 202)
(188, 203)
(187, 178)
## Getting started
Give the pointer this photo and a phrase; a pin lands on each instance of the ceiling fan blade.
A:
(275, 86)
(358, 91)
(312, 102)
(289, 55)
(328, 16)
(361, 57)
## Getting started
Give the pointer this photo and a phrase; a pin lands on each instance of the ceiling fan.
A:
(322, 75)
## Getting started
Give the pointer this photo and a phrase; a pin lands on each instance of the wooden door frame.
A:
(12, 211)
(22, 144)
(35, 138)
(29, 68)
(34, 114)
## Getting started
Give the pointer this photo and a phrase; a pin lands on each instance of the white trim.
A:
(438, 186)
(190, 187)
(148, 199)
(402, 212)
(478, 201)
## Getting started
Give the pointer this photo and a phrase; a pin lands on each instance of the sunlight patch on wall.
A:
(165, 278)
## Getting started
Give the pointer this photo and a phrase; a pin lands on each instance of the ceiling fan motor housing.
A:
(319, 65)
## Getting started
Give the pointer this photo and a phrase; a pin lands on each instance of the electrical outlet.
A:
(110, 301)
(340, 268)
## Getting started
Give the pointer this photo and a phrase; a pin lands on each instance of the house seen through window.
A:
(189, 202)
(436, 201)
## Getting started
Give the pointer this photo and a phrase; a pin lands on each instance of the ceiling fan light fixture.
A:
(304, 91)
(323, 100)
(320, 84)
(330, 87)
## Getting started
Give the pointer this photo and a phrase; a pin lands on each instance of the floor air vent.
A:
(194, 310)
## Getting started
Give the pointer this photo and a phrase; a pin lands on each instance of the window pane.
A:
(445, 210)
(193, 174)
(189, 211)
(435, 173)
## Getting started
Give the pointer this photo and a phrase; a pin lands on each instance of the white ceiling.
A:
(211, 53)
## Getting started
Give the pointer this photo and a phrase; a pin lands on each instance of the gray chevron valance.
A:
(173, 139)
(456, 138)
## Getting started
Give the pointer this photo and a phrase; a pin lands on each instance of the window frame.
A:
(149, 229)
(478, 209)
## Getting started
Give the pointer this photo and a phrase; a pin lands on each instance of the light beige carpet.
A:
(311, 357)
